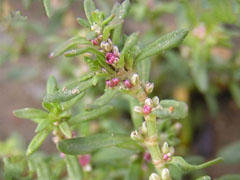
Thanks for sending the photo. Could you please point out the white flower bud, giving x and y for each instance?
(165, 174)
(144, 127)
(149, 102)
(165, 148)
(155, 101)
(154, 176)
(171, 150)
(138, 109)
(136, 136)
(116, 51)
(110, 42)
(178, 126)
(135, 79)
(106, 46)
(149, 87)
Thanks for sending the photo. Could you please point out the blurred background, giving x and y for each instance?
(204, 71)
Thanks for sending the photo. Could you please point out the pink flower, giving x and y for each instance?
(110, 58)
(115, 81)
(147, 109)
(94, 42)
(147, 156)
(62, 155)
(74, 134)
(84, 160)
(109, 83)
(127, 83)
(166, 157)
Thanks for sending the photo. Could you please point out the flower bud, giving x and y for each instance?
(165, 174)
(149, 102)
(147, 109)
(94, 42)
(135, 79)
(128, 84)
(154, 176)
(106, 46)
(165, 148)
(115, 81)
(109, 83)
(136, 136)
(116, 51)
(144, 127)
(155, 100)
(149, 87)
(147, 157)
(110, 42)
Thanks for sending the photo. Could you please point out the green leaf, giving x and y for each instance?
(67, 94)
(107, 20)
(103, 100)
(30, 113)
(122, 11)
(166, 42)
(92, 143)
(90, 115)
(204, 178)
(43, 170)
(179, 109)
(37, 141)
(68, 104)
(180, 163)
(113, 24)
(42, 125)
(134, 171)
(130, 42)
(83, 22)
(231, 153)
(52, 85)
(144, 68)
(62, 48)
(48, 8)
(73, 167)
(65, 129)
(111, 154)
(48, 106)
(230, 177)
(89, 8)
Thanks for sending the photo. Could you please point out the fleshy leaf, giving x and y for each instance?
(62, 48)
(52, 85)
(43, 170)
(31, 113)
(90, 115)
(184, 166)
(83, 145)
(164, 43)
(68, 104)
(65, 129)
(83, 22)
(37, 141)
(89, 8)
(172, 109)
(48, 8)
(73, 167)
(42, 125)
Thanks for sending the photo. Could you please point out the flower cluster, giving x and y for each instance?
(112, 83)
(167, 152)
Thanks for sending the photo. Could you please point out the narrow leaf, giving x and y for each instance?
(90, 115)
(30, 113)
(42, 125)
(89, 8)
(48, 8)
(83, 22)
(84, 145)
(37, 141)
(67, 45)
(43, 170)
(144, 68)
(65, 129)
(180, 163)
(68, 104)
(73, 167)
(172, 109)
(52, 85)
(166, 42)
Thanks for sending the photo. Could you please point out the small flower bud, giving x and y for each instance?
(84, 160)
(135, 79)
(106, 46)
(94, 42)
(110, 58)
(116, 51)
(165, 174)
(115, 81)
(171, 150)
(154, 176)
(138, 109)
(110, 42)
(147, 157)
(62, 155)
(128, 84)
(165, 148)
(171, 109)
(149, 87)
(109, 83)
(155, 100)
(136, 136)
(144, 127)
(149, 102)
(178, 126)
(147, 109)
(166, 157)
